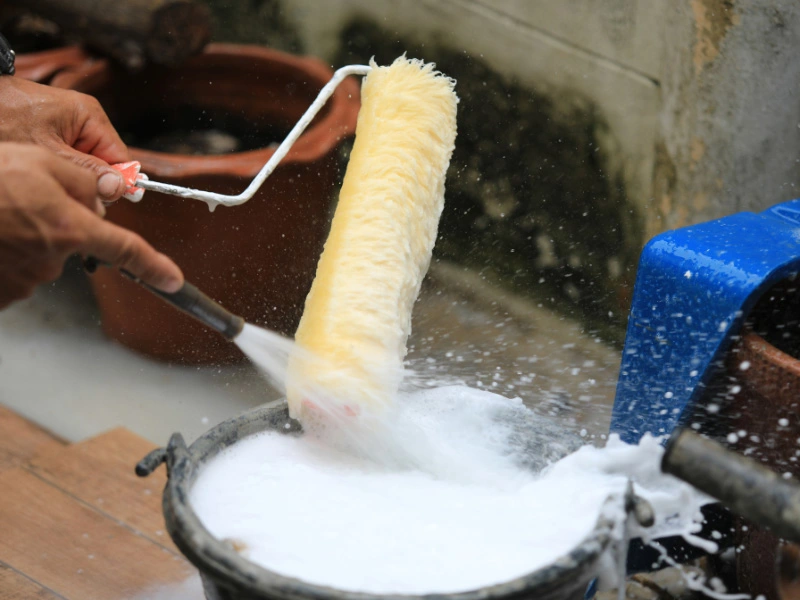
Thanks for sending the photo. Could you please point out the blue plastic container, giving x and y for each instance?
(694, 289)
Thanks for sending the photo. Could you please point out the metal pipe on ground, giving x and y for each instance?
(743, 485)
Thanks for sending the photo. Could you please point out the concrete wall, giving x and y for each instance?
(729, 125)
(595, 49)
(692, 106)
(707, 89)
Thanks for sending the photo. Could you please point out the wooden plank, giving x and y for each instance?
(73, 549)
(15, 586)
(100, 471)
(20, 440)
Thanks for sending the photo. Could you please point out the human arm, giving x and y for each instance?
(71, 124)
(48, 212)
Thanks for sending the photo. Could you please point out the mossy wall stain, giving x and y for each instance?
(529, 201)
(712, 19)
(254, 22)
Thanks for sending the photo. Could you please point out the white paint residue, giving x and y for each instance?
(190, 589)
(458, 512)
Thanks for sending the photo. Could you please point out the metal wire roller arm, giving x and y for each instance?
(214, 199)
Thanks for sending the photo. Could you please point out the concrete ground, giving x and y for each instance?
(58, 369)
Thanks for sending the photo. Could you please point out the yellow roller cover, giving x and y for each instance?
(357, 316)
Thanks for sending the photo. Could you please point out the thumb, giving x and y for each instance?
(127, 250)
(110, 184)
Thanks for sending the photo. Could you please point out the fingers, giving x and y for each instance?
(78, 181)
(30, 163)
(44, 218)
(69, 123)
(50, 226)
(97, 135)
(109, 184)
(127, 250)
(87, 138)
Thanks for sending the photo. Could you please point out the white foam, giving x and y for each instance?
(459, 509)
(446, 490)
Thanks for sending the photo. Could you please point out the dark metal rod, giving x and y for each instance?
(190, 300)
(742, 484)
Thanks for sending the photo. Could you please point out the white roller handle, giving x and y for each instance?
(141, 182)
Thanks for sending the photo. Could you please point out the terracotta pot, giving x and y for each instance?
(757, 398)
(41, 67)
(765, 407)
(258, 259)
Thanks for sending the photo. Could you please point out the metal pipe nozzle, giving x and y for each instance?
(190, 300)
(195, 303)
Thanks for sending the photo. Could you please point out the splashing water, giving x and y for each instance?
(403, 439)
(474, 515)
(268, 351)
(449, 489)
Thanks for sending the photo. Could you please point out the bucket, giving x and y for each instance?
(258, 259)
(228, 576)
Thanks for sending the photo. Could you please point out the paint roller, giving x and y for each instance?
(189, 298)
(395, 175)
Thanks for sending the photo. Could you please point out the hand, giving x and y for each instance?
(71, 124)
(47, 213)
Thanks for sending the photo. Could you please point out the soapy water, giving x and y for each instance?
(449, 489)
(399, 438)
(476, 515)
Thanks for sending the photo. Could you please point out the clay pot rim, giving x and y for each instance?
(317, 140)
(772, 373)
(44, 64)
(756, 345)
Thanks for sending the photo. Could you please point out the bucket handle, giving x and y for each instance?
(175, 455)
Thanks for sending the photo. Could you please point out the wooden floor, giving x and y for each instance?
(76, 522)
